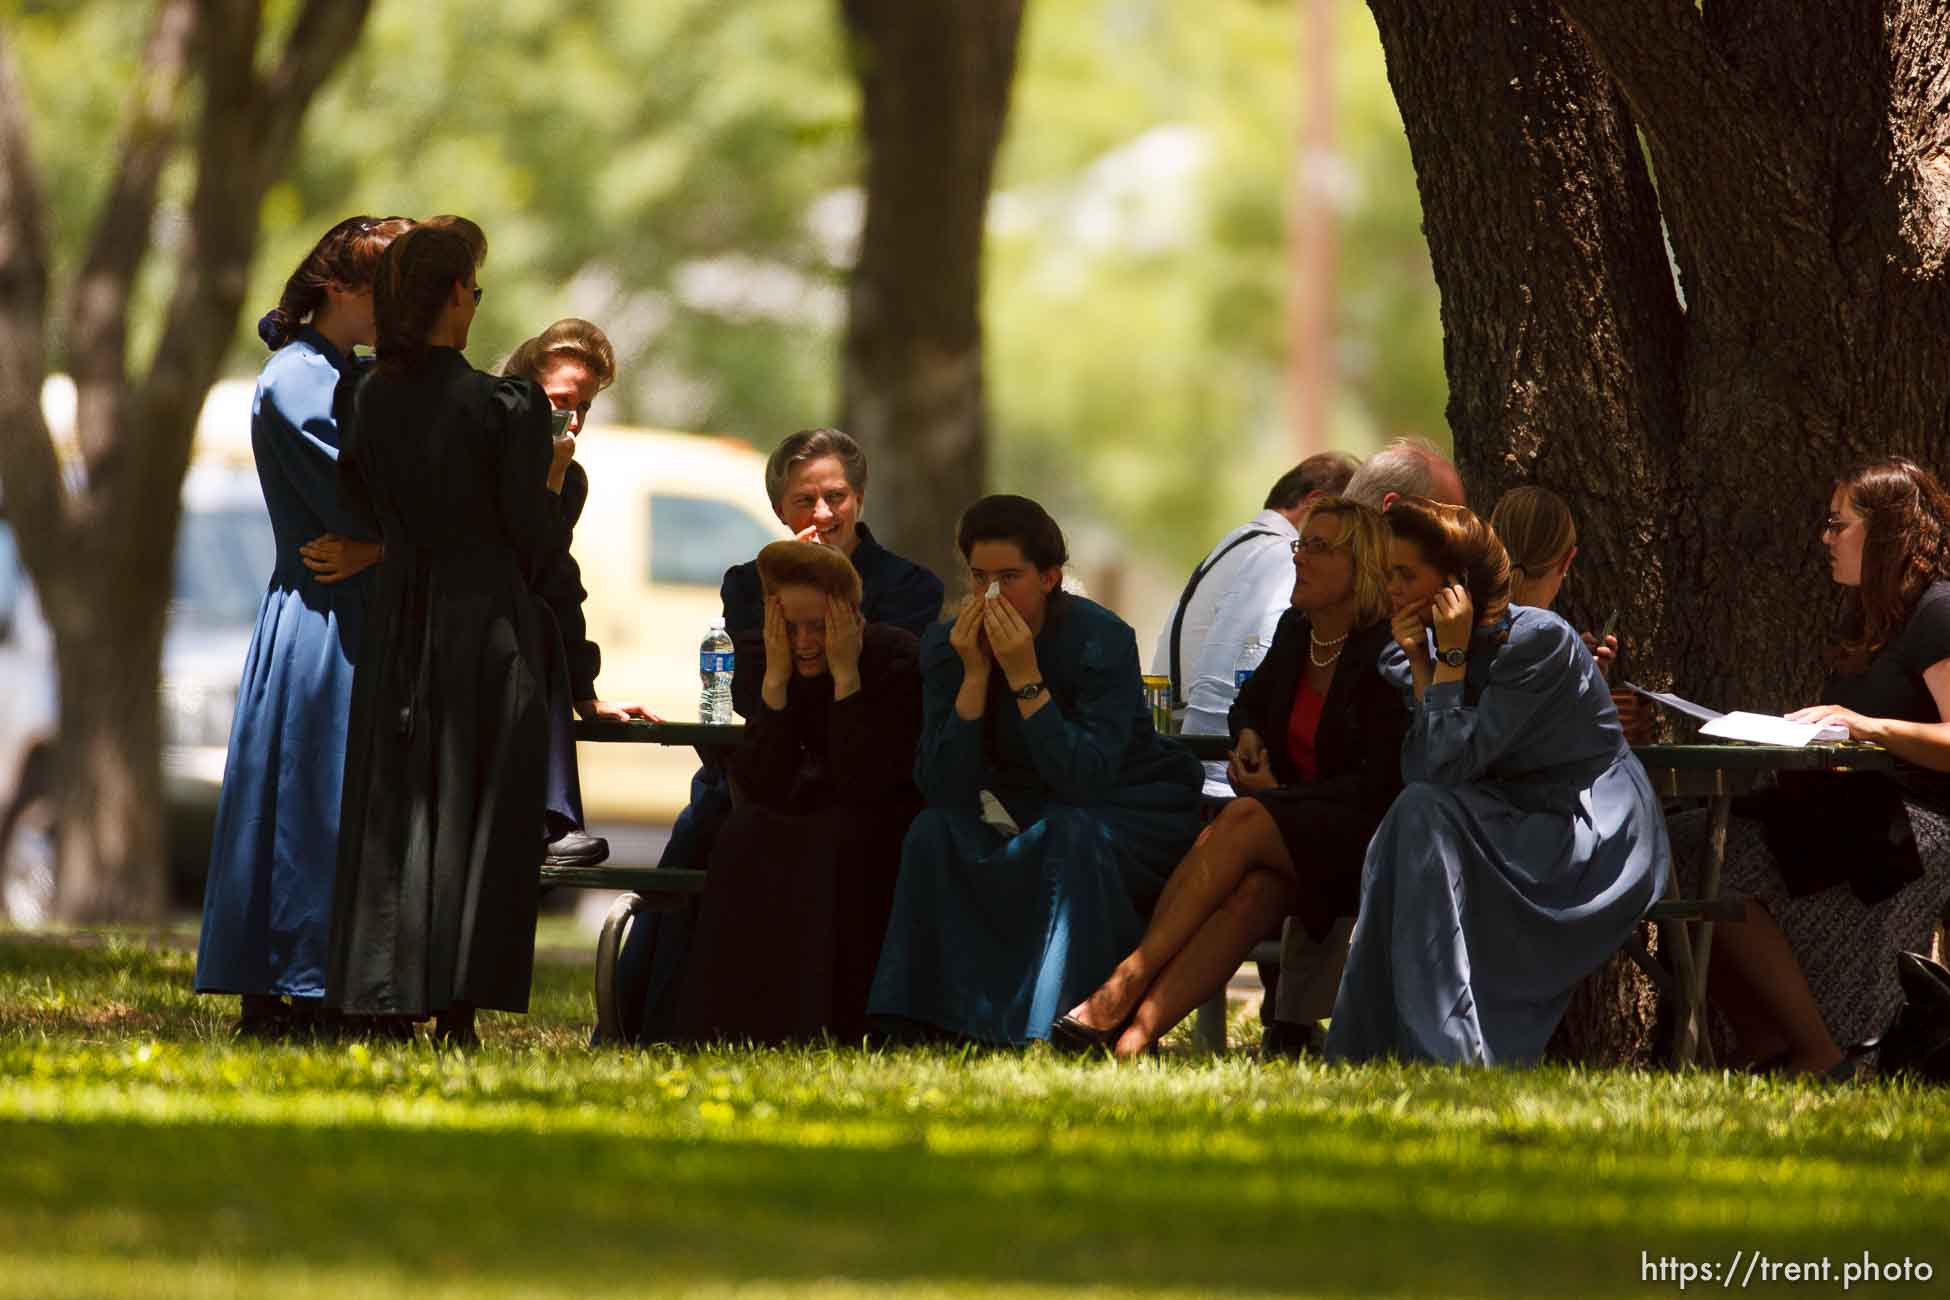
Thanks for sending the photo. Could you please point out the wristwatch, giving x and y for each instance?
(1030, 691)
(1454, 658)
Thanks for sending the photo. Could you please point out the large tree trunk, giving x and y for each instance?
(935, 77)
(100, 548)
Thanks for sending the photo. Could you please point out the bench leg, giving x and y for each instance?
(609, 946)
(1209, 1025)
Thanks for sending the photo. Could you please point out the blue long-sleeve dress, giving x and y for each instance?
(267, 906)
(991, 937)
(1525, 845)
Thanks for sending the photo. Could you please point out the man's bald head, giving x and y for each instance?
(1407, 467)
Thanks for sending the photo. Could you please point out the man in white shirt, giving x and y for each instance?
(1239, 591)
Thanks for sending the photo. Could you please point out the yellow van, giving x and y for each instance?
(668, 513)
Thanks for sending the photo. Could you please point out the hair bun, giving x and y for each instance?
(273, 329)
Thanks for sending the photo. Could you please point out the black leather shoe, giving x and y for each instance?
(577, 849)
(1283, 1040)
(1072, 1037)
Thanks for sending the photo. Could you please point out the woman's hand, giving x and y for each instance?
(1012, 641)
(778, 655)
(334, 558)
(1870, 730)
(1249, 768)
(1454, 615)
(561, 451)
(1605, 652)
(845, 630)
(614, 711)
(1411, 633)
(966, 637)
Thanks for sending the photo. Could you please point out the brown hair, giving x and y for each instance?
(1327, 474)
(808, 564)
(1455, 541)
(811, 444)
(415, 276)
(1366, 539)
(346, 255)
(570, 339)
(1904, 549)
(1536, 529)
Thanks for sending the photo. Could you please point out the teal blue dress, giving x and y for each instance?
(992, 937)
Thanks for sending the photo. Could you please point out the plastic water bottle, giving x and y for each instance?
(1249, 656)
(714, 664)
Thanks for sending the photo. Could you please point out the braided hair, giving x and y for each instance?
(345, 256)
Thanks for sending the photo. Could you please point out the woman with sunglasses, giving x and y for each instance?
(1316, 759)
(1844, 870)
(440, 847)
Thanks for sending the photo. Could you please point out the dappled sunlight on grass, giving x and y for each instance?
(249, 1168)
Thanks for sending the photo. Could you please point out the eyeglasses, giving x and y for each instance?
(1314, 546)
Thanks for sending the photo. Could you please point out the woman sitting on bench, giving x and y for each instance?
(802, 873)
(1526, 842)
(1317, 739)
(1054, 811)
(1844, 870)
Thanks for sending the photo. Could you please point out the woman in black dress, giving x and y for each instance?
(440, 843)
(1317, 739)
(823, 791)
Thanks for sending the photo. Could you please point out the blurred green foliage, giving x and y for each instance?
(684, 174)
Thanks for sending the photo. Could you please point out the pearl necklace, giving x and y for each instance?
(1315, 642)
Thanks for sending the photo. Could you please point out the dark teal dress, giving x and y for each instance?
(267, 907)
(992, 937)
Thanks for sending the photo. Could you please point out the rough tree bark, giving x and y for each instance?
(935, 77)
(1559, 322)
(1802, 155)
(100, 543)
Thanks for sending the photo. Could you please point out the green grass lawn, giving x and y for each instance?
(142, 1153)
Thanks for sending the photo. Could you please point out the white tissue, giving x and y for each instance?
(995, 589)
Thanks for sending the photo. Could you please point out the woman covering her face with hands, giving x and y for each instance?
(1526, 842)
(803, 870)
(1054, 811)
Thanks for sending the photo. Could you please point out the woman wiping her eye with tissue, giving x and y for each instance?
(1054, 811)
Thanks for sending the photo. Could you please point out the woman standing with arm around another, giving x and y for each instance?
(1054, 811)
(267, 908)
(441, 845)
(1526, 842)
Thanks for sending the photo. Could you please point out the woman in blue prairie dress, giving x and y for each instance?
(267, 906)
(1055, 812)
(1526, 842)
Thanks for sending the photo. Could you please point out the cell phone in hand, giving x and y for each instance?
(558, 423)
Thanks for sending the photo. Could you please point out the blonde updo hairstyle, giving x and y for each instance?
(808, 564)
(569, 339)
(1455, 541)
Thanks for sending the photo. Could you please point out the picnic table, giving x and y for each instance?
(1715, 773)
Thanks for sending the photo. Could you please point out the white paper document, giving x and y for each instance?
(1758, 728)
(1766, 729)
(1677, 703)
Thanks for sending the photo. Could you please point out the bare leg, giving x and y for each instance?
(1207, 962)
(1244, 838)
(1759, 985)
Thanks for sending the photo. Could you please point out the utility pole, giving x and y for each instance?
(1311, 215)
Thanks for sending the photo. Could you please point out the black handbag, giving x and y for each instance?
(1917, 1042)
